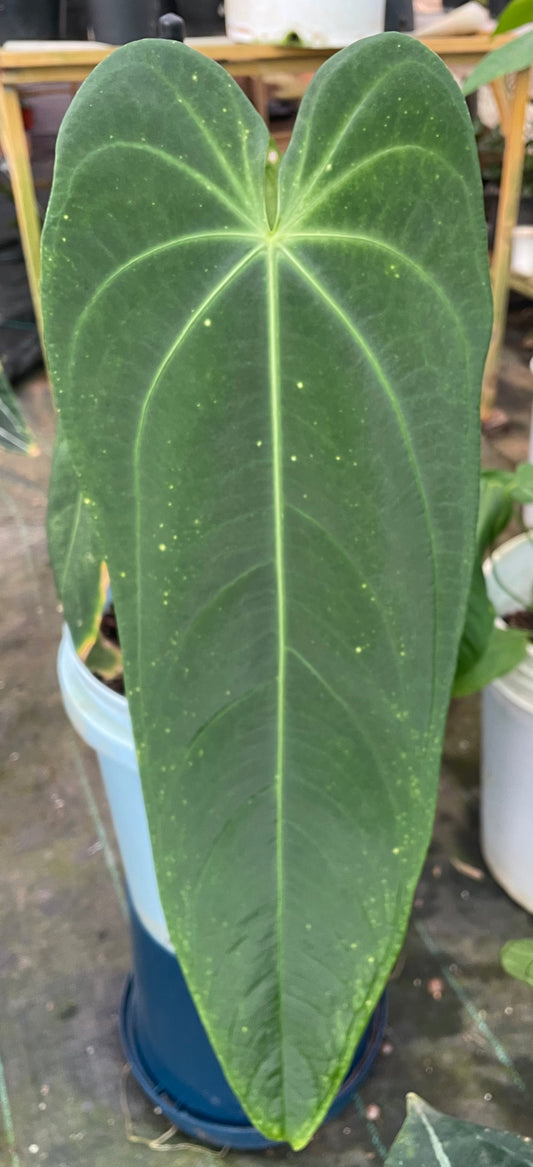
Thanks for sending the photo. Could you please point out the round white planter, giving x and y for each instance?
(310, 22)
(101, 717)
(507, 740)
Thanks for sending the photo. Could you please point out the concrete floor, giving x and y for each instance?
(459, 1028)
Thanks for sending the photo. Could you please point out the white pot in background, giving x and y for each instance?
(522, 250)
(507, 739)
(316, 23)
(102, 719)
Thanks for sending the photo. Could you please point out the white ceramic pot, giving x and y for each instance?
(507, 739)
(101, 717)
(316, 23)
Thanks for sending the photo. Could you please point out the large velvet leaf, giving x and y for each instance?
(266, 417)
(431, 1139)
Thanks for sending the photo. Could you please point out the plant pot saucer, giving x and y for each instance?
(221, 1134)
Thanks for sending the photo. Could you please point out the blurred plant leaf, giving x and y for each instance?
(509, 58)
(486, 652)
(517, 959)
(504, 650)
(514, 15)
(14, 433)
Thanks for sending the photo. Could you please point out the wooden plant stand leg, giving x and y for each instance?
(15, 149)
(508, 203)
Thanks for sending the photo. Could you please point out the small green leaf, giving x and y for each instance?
(517, 959)
(510, 58)
(431, 1139)
(80, 575)
(485, 652)
(505, 649)
(514, 15)
(105, 658)
(522, 489)
(14, 433)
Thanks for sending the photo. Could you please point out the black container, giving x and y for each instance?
(399, 16)
(495, 6)
(115, 22)
(29, 20)
(173, 1061)
(202, 17)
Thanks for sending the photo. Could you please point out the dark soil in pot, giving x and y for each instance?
(522, 620)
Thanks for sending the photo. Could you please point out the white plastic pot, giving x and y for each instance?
(507, 739)
(101, 717)
(522, 251)
(316, 23)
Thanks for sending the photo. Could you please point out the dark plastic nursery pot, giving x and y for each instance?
(173, 1061)
(162, 1035)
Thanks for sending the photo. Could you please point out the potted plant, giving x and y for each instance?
(496, 656)
(249, 373)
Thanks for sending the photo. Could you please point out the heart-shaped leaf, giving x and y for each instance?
(267, 407)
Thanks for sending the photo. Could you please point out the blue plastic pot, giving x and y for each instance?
(172, 1059)
(162, 1035)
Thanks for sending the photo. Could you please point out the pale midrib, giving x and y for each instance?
(163, 365)
(381, 244)
(220, 156)
(11, 439)
(149, 253)
(371, 159)
(171, 160)
(402, 427)
(436, 1145)
(349, 124)
(277, 476)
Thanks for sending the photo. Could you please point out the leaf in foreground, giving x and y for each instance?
(431, 1139)
(265, 413)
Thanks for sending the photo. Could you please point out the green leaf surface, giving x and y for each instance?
(266, 419)
(14, 433)
(504, 650)
(431, 1139)
(517, 959)
(80, 576)
(486, 652)
(509, 58)
(105, 659)
(523, 483)
(514, 15)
